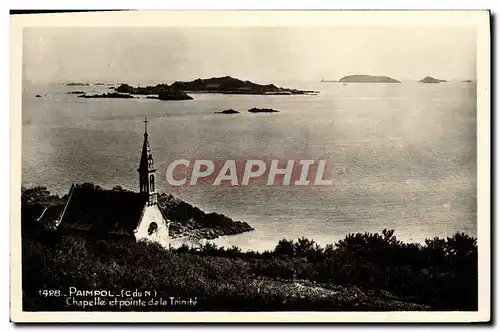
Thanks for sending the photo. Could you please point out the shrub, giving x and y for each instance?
(441, 273)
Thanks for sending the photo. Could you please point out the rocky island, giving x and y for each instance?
(262, 110)
(367, 79)
(224, 85)
(430, 79)
(229, 111)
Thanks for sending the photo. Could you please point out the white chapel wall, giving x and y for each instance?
(151, 215)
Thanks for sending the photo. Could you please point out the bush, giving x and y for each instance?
(442, 273)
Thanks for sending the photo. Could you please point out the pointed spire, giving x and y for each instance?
(146, 163)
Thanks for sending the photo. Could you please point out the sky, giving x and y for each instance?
(260, 54)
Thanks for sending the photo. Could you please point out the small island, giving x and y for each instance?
(38, 96)
(229, 111)
(430, 79)
(77, 84)
(262, 110)
(108, 95)
(367, 79)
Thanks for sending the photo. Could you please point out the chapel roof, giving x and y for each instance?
(103, 211)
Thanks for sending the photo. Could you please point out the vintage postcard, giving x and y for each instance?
(250, 166)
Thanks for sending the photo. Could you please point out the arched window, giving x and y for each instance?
(153, 227)
(151, 182)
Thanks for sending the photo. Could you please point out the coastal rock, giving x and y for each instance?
(429, 79)
(188, 220)
(76, 92)
(38, 96)
(229, 111)
(262, 110)
(107, 95)
(367, 79)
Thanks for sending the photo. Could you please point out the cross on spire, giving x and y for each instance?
(145, 125)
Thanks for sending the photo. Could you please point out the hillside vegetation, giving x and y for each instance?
(364, 271)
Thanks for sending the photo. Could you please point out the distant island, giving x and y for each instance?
(262, 110)
(107, 95)
(224, 85)
(77, 84)
(430, 79)
(367, 79)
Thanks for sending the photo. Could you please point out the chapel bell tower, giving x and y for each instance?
(147, 181)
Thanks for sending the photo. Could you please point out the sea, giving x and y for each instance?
(400, 156)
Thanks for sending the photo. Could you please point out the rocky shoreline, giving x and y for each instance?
(192, 223)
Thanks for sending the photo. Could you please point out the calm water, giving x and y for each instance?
(401, 156)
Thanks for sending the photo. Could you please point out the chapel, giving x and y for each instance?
(104, 214)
